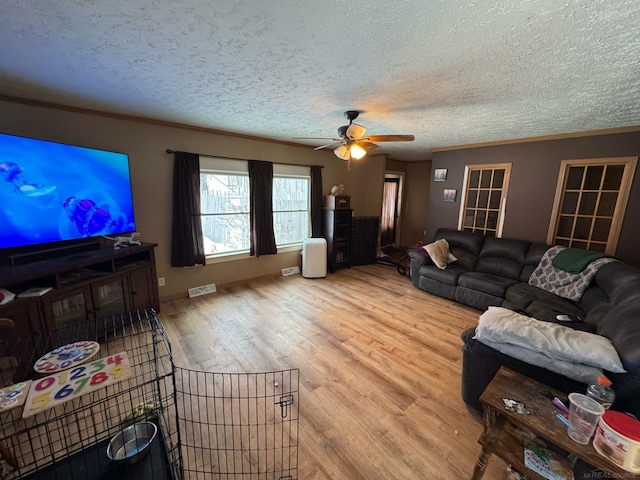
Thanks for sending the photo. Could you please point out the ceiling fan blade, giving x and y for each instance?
(332, 144)
(355, 131)
(390, 138)
(317, 138)
(368, 146)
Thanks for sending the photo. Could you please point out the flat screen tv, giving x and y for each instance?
(52, 193)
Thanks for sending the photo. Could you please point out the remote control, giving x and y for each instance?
(568, 317)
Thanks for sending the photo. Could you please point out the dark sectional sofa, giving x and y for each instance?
(493, 271)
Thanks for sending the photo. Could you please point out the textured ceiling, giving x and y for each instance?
(449, 72)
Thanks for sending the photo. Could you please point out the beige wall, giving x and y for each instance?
(152, 169)
(366, 178)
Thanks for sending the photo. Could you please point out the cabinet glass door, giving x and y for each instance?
(68, 311)
(109, 298)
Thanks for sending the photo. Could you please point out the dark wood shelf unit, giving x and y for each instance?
(364, 240)
(85, 286)
(336, 230)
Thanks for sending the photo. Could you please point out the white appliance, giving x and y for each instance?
(314, 258)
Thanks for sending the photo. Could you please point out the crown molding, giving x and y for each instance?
(543, 138)
(138, 119)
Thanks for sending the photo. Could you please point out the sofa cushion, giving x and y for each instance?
(448, 276)
(532, 259)
(539, 303)
(465, 246)
(435, 287)
(485, 282)
(476, 299)
(502, 257)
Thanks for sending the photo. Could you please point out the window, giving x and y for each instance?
(224, 200)
(590, 201)
(291, 207)
(484, 198)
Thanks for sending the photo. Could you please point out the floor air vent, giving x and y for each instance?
(290, 271)
(202, 290)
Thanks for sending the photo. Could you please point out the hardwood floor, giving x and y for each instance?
(380, 365)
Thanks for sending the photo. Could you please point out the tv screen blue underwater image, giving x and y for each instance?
(51, 192)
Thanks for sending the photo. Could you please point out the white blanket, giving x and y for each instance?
(572, 353)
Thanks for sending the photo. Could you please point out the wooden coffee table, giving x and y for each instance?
(503, 429)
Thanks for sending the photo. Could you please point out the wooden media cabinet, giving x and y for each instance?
(84, 286)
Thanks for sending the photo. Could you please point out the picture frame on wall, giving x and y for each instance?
(449, 195)
(439, 174)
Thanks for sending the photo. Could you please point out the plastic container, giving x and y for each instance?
(584, 413)
(601, 392)
(618, 439)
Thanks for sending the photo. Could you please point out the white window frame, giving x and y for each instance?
(629, 163)
(503, 199)
(240, 167)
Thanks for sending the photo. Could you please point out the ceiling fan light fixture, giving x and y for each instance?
(342, 152)
(355, 131)
(357, 151)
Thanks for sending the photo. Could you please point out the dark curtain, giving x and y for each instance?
(263, 240)
(316, 201)
(187, 244)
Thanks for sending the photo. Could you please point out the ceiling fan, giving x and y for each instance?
(353, 143)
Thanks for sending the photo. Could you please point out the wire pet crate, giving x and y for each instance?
(210, 425)
(240, 426)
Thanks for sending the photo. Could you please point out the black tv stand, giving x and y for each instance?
(49, 253)
(84, 285)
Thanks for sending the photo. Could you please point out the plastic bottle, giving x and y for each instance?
(601, 392)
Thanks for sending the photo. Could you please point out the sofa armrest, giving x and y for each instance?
(480, 363)
(418, 260)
